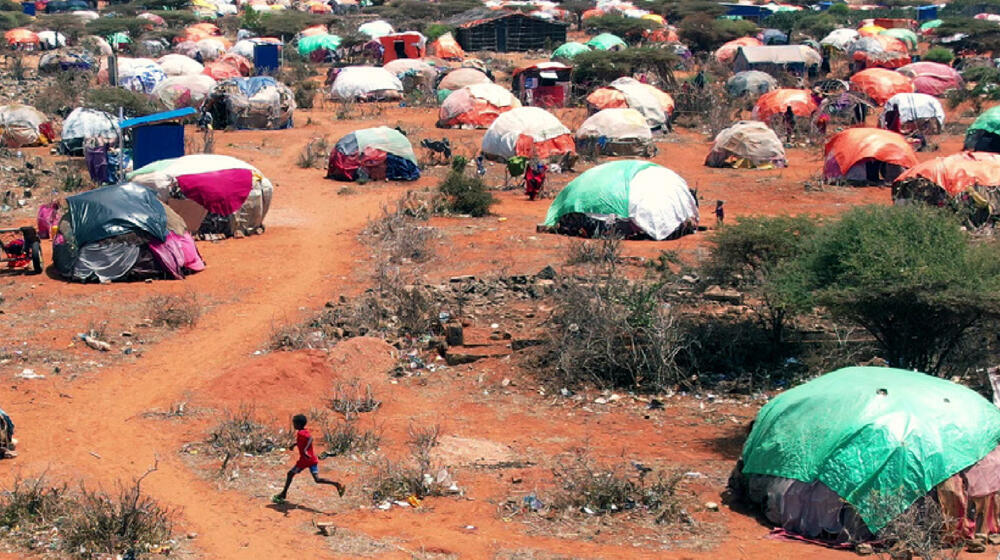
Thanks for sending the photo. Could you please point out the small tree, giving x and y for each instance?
(630, 29)
(939, 54)
(466, 194)
(906, 274)
(703, 33)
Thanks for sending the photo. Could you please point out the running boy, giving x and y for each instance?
(307, 460)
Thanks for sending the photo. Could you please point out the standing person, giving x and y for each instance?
(822, 122)
(534, 180)
(789, 123)
(892, 119)
(720, 213)
(307, 460)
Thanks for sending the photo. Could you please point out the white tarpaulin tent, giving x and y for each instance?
(913, 107)
(501, 139)
(354, 82)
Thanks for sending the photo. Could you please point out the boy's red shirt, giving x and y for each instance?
(307, 457)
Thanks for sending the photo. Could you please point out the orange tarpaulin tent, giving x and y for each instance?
(21, 37)
(727, 52)
(774, 103)
(446, 47)
(958, 172)
(855, 145)
(880, 84)
(409, 44)
(314, 30)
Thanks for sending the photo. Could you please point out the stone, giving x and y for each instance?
(864, 549)
(975, 547)
(326, 528)
(526, 340)
(459, 356)
(454, 334)
(723, 295)
(711, 506)
(463, 278)
(547, 273)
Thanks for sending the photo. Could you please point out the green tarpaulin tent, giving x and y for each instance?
(606, 42)
(567, 51)
(905, 35)
(315, 42)
(879, 437)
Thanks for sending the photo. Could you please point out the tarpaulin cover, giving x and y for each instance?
(461, 77)
(852, 145)
(104, 260)
(527, 131)
(359, 81)
(958, 172)
(880, 84)
(387, 139)
(753, 82)
(606, 41)
(752, 140)
(315, 42)
(989, 121)
(375, 29)
(184, 91)
(727, 51)
(914, 106)
(932, 78)
(446, 47)
(617, 124)
(839, 39)
(179, 65)
(21, 36)
(878, 437)
(115, 210)
(774, 102)
(21, 125)
(567, 51)
(654, 198)
(475, 106)
(908, 37)
(177, 254)
(654, 104)
(220, 192)
(876, 44)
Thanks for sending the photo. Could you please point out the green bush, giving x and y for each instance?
(305, 94)
(434, 30)
(10, 6)
(109, 99)
(908, 275)
(598, 68)
(466, 194)
(10, 20)
(630, 29)
(703, 33)
(103, 27)
(939, 54)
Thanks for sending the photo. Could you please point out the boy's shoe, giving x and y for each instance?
(277, 499)
(340, 489)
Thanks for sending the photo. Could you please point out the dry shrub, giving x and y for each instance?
(923, 530)
(346, 437)
(397, 234)
(174, 312)
(31, 502)
(398, 480)
(241, 431)
(350, 398)
(605, 250)
(315, 154)
(586, 487)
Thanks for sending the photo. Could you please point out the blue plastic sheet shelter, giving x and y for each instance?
(157, 136)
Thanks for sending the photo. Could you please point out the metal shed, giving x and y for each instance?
(488, 30)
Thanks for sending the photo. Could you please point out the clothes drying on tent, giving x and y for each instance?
(213, 194)
(615, 132)
(632, 198)
(122, 232)
(867, 156)
(747, 144)
(475, 106)
(808, 461)
(251, 103)
(373, 154)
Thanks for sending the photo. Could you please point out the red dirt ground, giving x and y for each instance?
(93, 428)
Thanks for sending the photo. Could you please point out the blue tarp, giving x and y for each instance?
(156, 142)
(156, 118)
(265, 59)
(250, 86)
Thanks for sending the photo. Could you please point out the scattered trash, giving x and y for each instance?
(413, 500)
(29, 374)
(655, 404)
(711, 506)
(385, 506)
(693, 474)
(533, 503)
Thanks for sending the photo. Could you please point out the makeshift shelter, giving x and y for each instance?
(180, 65)
(475, 106)
(374, 154)
(84, 124)
(751, 83)
(251, 103)
(184, 91)
(633, 198)
(727, 51)
(967, 182)
(212, 48)
(22, 39)
(408, 44)
(607, 42)
(366, 83)
(932, 78)
(745, 145)
(503, 31)
(880, 51)
(546, 84)
(839, 39)
(774, 103)
(213, 194)
(529, 132)
(459, 78)
(136, 74)
(414, 74)
(655, 105)
(62, 61)
(51, 39)
(908, 37)
(773, 37)
(319, 46)
(375, 29)
(615, 132)
(983, 134)
(122, 232)
(880, 84)
(23, 125)
(567, 51)
(446, 47)
(786, 58)
(841, 456)
(917, 111)
(845, 107)
(867, 156)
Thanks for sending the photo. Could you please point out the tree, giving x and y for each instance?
(701, 32)
(630, 29)
(577, 7)
(906, 274)
(939, 54)
(979, 35)
(104, 27)
(597, 68)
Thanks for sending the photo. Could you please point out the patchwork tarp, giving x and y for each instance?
(654, 104)
(880, 84)
(653, 198)
(83, 124)
(23, 125)
(136, 74)
(932, 78)
(879, 437)
(747, 144)
(528, 132)
(750, 82)
(366, 83)
(475, 106)
(184, 91)
(619, 131)
(62, 61)
(727, 51)
(251, 103)
(413, 73)
(381, 152)
(839, 39)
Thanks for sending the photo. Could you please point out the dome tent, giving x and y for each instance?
(366, 83)
(136, 74)
(83, 124)
(839, 39)
(607, 42)
(867, 156)
(459, 78)
(841, 456)
(654, 104)
(635, 198)
(880, 84)
(983, 134)
(63, 60)
(180, 65)
(213, 194)
(374, 153)
(122, 232)
(251, 103)
(774, 103)
(415, 74)
(615, 132)
(917, 111)
(528, 132)
(567, 51)
(475, 106)
(747, 144)
(966, 181)
(376, 29)
(750, 82)
(23, 125)
(184, 91)
(932, 78)
(727, 51)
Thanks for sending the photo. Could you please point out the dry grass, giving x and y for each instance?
(174, 312)
(350, 399)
